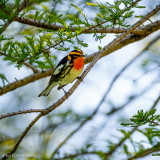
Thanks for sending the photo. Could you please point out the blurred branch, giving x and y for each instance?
(146, 152)
(25, 63)
(126, 41)
(130, 100)
(79, 154)
(20, 112)
(155, 103)
(116, 146)
(139, 31)
(15, 14)
(96, 58)
(151, 70)
(123, 69)
(133, 130)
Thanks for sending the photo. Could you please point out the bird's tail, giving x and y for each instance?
(46, 91)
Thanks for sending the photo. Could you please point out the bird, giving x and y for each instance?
(67, 70)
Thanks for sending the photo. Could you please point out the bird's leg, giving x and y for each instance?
(66, 94)
(80, 78)
(64, 90)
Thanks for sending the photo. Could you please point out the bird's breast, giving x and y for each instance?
(78, 63)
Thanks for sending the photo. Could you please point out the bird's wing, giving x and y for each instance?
(58, 70)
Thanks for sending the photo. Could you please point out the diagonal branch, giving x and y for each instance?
(77, 83)
(146, 152)
(126, 41)
(20, 112)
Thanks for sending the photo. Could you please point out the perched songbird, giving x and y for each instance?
(68, 69)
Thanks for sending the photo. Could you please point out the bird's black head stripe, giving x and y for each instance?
(79, 51)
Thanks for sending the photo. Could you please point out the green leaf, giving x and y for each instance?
(91, 4)
(3, 78)
(78, 9)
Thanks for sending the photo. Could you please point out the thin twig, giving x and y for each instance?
(25, 63)
(130, 100)
(20, 112)
(21, 138)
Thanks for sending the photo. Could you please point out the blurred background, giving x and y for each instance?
(135, 88)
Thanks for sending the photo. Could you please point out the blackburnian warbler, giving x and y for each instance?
(68, 69)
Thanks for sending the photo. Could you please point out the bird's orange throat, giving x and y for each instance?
(78, 63)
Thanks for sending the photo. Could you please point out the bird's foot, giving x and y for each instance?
(80, 78)
(66, 94)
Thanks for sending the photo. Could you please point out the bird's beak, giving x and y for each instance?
(82, 55)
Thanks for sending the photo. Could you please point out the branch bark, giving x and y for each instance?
(138, 31)
(69, 93)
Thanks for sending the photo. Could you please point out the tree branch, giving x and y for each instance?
(126, 41)
(25, 63)
(130, 100)
(139, 31)
(31, 67)
(24, 81)
(79, 154)
(20, 112)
